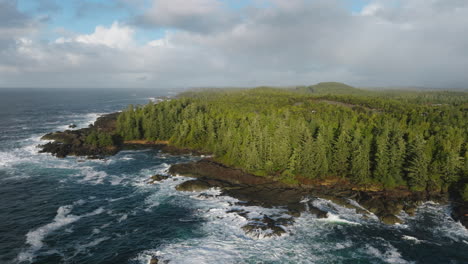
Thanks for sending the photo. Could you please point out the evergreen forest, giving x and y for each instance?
(384, 139)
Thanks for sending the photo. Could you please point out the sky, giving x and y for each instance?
(196, 43)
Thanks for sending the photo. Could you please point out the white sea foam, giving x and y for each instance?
(123, 218)
(92, 176)
(390, 255)
(63, 218)
(8, 158)
(84, 247)
(333, 218)
(23, 154)
(445, 226)
(118, 199)
(225, 241)
(340, 214)
(28, 150)
(115, 180)
(411, 238)
(80, 120)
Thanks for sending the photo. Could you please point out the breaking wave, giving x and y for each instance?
(63, 218)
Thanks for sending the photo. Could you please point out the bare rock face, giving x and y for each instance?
(157, 178)
(193, 186)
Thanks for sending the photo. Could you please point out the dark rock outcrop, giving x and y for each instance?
(266, 192)
(157, 178)
(390, 219)
(460, 212)
(266, 227)
(193, 186)
(72, 142)
(207, 168)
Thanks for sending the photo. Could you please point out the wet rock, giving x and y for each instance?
(374, 205)
(240, 212)
(193, 186)
(294, 213)
(207, 168)
(460, 212)
(410, 209)
(155, 260)
(253, 190)
(282, 221)
(319, 213)
(206, 195)
(157, 178)
(394, 207)
(72, 142)
(390, 219)
(266, 227)
(72, 126)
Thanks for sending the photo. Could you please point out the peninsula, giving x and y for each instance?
(387, 150)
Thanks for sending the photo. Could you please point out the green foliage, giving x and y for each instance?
(418, 164)
(98, 139)
(464, 192)
(390, 139)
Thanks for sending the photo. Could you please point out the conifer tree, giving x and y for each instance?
(360, 163)
(418, 166)
(341, 154)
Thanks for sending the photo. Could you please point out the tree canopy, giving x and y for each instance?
(390, 139)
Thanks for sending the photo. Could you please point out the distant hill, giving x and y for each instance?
(335, 88)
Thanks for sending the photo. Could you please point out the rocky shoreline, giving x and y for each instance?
(255, 190)
(73, 142)
(266, 192)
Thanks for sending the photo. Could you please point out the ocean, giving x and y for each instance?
(75, 210)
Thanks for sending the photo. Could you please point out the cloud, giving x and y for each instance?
(371, 9)
(15, 28)
(202, 16)
(9, 16)
(414, 42)
(91, 8)
(116, 36)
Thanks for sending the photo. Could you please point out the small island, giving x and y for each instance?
(389, 150)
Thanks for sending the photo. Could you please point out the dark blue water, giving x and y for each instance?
(74, 210)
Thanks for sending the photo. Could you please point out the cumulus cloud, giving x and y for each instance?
(116, 36)
(414, 42)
